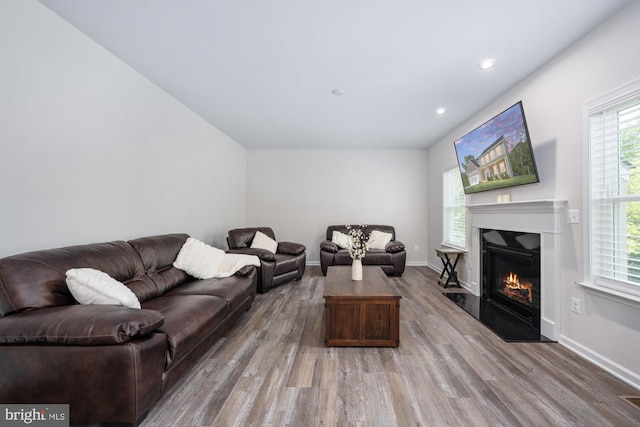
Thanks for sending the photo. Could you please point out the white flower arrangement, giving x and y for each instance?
(359, 241)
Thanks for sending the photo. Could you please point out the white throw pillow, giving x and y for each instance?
(90, 286)
(199, 259)
(262, 241)
(379, 239)
(342, 240)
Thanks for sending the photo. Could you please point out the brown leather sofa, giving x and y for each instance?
(392, 259)
(285, 265)
(109, 363)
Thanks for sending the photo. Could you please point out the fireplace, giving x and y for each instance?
(511, 272)
(543, 218)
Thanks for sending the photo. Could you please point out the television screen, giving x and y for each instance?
(497, 154)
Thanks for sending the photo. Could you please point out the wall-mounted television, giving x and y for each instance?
(497, 154)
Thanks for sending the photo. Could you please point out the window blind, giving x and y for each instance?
(454, 210)
(614, 139)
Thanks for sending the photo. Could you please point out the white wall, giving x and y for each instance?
(92, 151)
(607, 332)
(300, 192)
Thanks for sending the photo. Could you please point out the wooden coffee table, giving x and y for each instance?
(363, 313)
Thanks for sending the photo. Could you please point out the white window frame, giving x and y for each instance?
(622, 290)
(453, 203)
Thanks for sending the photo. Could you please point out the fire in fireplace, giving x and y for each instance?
(513, 288)
(511, 272)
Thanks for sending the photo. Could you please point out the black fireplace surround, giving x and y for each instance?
(509, 303)
(511, 272)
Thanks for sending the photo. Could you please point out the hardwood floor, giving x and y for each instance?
(274, 370)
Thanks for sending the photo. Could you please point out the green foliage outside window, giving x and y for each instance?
(630, 163)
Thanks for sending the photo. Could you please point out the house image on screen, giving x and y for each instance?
(492, 163)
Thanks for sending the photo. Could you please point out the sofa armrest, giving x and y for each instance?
(291, 248)
(79, 325)
(394, 246)
(263, 254)
(245, 271)
(329, 246)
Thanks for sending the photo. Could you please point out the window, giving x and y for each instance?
(614, 205)
(454, 211)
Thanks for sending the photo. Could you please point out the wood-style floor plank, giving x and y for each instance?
(273, 369)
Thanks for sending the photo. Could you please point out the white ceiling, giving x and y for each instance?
(263, 71)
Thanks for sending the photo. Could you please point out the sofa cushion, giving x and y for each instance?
(342, 257)
(199, 259)
(234, 290)
(377, 257)
(378, 239)
(91, 286)
(345, 230)
(373, 257)
(37, 279)
(79, 325)
(158, 254)
(188, 319)
(262, 241)
(242, 237)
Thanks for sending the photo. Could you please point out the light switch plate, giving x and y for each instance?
(573, 216)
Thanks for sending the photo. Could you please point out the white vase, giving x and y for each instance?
(356, 269)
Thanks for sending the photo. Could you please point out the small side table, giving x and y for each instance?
(447, 255)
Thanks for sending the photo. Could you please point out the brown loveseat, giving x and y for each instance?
(109, 363)
(287, 263)
(391, 259)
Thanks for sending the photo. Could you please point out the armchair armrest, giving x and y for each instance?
(263, 254)
(394, 246)
(79, 325)
(328, 246)
(291, 248)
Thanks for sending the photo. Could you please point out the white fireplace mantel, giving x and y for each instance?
(541, 215)
(545, 217)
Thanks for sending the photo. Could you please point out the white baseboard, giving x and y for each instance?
(417, 264)
(629, 377)
(434, 268)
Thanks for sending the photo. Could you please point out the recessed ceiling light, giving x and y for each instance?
(337, 92)
(486, 64)
(440, 111)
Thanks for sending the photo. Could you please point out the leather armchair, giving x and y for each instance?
(392, 259)
(286, 264)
